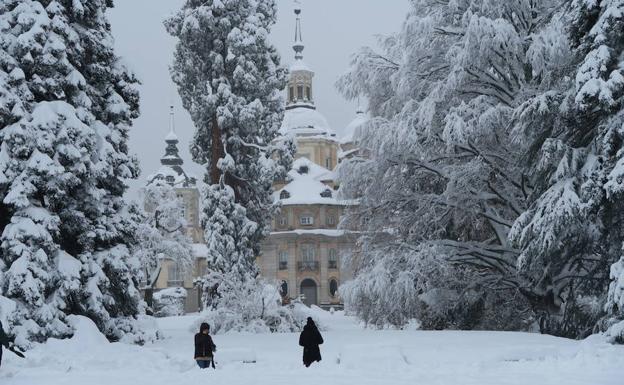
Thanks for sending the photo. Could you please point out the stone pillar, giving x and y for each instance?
(293, 288)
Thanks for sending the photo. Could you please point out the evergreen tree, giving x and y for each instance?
(230, 80)
(570, 234)
(67, 105)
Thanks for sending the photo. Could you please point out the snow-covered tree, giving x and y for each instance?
(67, 105)
(230, 80)
(496, 141)
(571, 235)
(162, 231)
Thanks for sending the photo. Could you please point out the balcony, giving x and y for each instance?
(283, 265)
(308, 265)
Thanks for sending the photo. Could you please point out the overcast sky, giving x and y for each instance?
(332, 31)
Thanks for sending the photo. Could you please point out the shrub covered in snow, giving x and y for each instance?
(253, 305)
(614, 322)
(169, 302)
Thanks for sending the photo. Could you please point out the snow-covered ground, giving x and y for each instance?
(351, 355)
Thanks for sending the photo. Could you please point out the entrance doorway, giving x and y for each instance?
(309, 291)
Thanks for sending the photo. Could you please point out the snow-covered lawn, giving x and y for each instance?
(351, 355)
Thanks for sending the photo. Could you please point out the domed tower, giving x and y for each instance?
(300, 82)
(314, 137)
(349, 145)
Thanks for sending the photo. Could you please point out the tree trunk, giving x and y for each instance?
(217, 152)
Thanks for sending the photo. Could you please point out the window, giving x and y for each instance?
(308, 93)
(283, 221)
(283, 260)
(307, 253)
(331, 220)
(328, 163)
(291, 94)
(333, 287)
(183, 210)
(333, 259)
(170, 179)
(284, 194)
(326, 194)
(306, 220)
(299, 92)
(175, 274)
(308, 261)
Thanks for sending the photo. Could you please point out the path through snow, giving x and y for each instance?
(351, 355)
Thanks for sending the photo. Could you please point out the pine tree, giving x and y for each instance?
(67, 105)
(570, 234)
(230, 80)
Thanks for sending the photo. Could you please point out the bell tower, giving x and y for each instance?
(300, 90)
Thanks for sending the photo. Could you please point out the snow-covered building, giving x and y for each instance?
(172, 274)
(172, 172)
(305, 247)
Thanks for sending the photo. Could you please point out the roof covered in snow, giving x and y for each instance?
(306, 186)
(305, 121)
(317, 172)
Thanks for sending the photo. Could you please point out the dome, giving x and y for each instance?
(303, 121)
(352, 127)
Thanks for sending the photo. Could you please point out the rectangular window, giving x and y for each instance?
(307, 253)
(291, 94)
(333, 259)
(175, 274)
(308, 93)
(300, 92)
(283, 221)
(331, 220)
(307, 220)
(283, 260)
(328, 163)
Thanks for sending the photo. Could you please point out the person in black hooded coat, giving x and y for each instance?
(310, 339)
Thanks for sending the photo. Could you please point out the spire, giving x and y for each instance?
(172, 156)
(298, 46)
(172, 135)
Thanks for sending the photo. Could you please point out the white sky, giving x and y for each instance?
(332, 31)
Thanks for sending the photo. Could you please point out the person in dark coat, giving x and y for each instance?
(4, 341)
(204, 347)
(310, 339)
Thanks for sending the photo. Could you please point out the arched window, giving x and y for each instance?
(300, 92)
(333, 287)
(291, 94)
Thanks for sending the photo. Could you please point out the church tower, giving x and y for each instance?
(315, 139)
(300, 82)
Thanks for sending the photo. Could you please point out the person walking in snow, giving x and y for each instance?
(204, 347)
(6, 342)
(310, 339)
